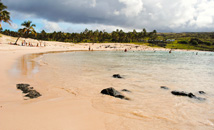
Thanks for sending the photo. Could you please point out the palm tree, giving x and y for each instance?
(28, 28)
(4, 15)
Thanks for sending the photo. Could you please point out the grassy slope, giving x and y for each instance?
(206, 37)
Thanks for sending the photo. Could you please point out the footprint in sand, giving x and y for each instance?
(69, 91)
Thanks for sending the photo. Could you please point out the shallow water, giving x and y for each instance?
(85, 74)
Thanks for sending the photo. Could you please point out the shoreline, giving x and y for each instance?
(14, 53)
(47, 112)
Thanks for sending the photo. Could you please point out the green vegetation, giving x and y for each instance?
(4, 14)
(90, 36)
(198, 41)
(28, 29)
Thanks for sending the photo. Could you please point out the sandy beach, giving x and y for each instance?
(75, 103)
(48, 112)
(106, 65)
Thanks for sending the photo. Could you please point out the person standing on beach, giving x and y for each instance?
(24, 43)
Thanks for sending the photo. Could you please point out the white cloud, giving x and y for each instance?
(205, 16)
(108, 28)
(159, 5)
(133, 7)
(51, 26)
(14, 26)
(162, 15)
(93, 4)
(116, 12)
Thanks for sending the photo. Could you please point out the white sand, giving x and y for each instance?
(67, 113)
(45, 113)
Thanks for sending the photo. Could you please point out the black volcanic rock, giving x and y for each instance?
(201, 92)
(164, 87)
(113, 92)
(117, 76)
(181, 93)
(24, 87)
(33, 94)
(29, 91)
(190, 95)
(126, 90)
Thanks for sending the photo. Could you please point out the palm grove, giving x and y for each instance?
(200, 41)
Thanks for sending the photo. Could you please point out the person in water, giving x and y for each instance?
(125, 50)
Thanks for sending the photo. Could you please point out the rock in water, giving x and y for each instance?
(190, 95)
(23, 87)
(112, 92)
(178, 93)
(126, 90)
(164, 87)
(201, 92)
(33, 94)
(117, 76)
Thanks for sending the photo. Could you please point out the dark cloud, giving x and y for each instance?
(162, 15)
(75, 11)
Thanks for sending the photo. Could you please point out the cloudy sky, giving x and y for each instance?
(76, 15)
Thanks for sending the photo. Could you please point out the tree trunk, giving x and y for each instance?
(17, 41)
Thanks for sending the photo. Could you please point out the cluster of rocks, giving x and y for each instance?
(29, 91)
(115, 93)
(186, 94)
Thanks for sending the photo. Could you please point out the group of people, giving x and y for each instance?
(24, 43)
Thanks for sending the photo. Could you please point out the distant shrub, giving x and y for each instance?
(183, 42)
(194, 42)
(162, 44)
(208, 43)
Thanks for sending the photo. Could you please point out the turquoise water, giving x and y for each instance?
(87, 73)
(184, 70)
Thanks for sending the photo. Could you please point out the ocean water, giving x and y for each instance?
(180, 70)
(85, 74)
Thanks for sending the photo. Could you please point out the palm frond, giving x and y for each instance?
(2, 6)
(4, 15)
